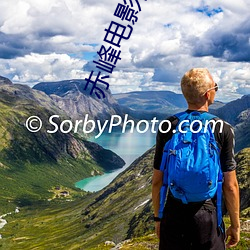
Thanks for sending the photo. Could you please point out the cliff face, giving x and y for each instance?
(71, 97)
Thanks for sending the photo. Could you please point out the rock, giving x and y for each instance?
(4, 80)
(109, 243)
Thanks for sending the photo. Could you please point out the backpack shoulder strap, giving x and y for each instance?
(208, 116)
(182, 115)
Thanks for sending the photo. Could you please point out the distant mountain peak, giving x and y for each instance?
(4, 80)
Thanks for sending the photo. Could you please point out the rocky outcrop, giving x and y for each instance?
(4, 80)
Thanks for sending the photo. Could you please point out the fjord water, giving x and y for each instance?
(129, 146)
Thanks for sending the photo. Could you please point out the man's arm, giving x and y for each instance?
(157, 179)
(232, 200)
(156, 187)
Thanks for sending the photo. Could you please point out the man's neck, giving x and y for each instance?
(198, 107)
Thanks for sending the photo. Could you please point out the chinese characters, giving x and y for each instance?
(109, 54)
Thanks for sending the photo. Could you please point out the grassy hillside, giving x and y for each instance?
(243, 175)
(32, 163)
(86, 222)
(121, 211)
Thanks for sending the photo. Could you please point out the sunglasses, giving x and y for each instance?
(216, 87)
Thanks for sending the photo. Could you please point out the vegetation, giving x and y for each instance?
(57, 225)
(32, 163)
(36, 170)
(243, 175)
(118, 213)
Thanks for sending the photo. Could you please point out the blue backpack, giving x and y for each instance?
(191, 162)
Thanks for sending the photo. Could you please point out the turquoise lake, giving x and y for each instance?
(129, 146)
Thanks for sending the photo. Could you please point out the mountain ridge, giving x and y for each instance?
(4, 80)
(58, 159)
(70, 96)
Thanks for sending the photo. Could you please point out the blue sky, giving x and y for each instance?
(54, 40)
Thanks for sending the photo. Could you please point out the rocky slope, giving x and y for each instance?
(243, 175)
(242, 130)
(232, 110)
(70, 96)
(125, 206)
(4, 80)
(237, 114)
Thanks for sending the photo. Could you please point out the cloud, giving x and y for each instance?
(34, 68)
(49, 26)
(231, 45)
(169, 38)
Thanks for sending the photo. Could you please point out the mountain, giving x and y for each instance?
(38, 166)
(232, 110)
(243, 175)
(242, 130)
(70, 96)
(4, 80)
(32, 163)
(149, 104)
(237, 114)
(124, 208)
(216, 105)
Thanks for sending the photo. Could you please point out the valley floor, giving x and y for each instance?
(57, 225)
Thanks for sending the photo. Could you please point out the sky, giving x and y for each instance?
(54, 40)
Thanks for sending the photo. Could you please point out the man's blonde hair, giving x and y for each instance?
(195, 83)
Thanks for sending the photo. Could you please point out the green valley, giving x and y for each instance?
(32, 163)
(120, 212)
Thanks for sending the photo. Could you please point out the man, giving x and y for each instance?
(194, 225)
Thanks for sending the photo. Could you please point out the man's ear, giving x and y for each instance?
(207, 95)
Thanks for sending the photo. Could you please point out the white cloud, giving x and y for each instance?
(47, 40)
(35, 68)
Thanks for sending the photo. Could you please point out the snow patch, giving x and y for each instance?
(142, 204)
(2, 223)
(143, 186)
